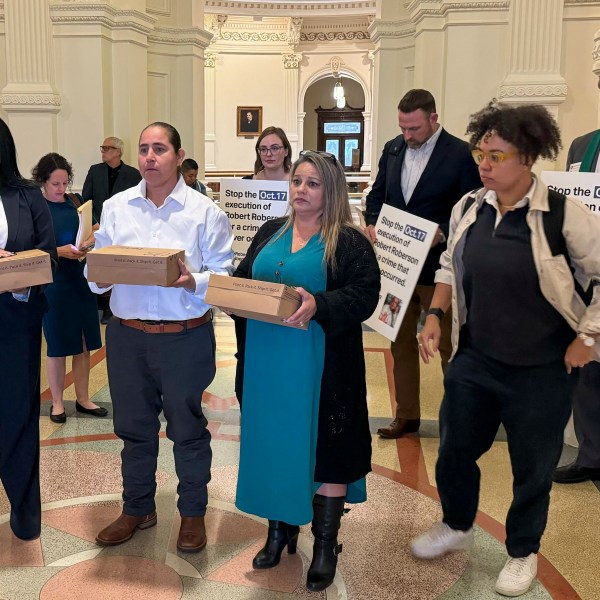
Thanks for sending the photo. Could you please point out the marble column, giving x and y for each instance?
(534, 45)
(29, 98)
(291, 64)
(393, 58)
(184, 45)
(210, 112)
(596, 67)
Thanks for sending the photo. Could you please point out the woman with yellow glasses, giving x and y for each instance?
(518, 259)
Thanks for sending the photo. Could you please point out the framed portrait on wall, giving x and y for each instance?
(249, 120)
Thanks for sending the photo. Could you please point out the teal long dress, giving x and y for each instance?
(282, 386)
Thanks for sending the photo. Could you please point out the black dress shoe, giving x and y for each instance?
(573, 473)
(95, 412)
(60, 418)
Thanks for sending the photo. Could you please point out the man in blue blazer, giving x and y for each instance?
(583, 156)
(424, 171)
(110, 176)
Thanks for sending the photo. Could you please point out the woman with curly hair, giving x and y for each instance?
(521, 330)
(71, 325)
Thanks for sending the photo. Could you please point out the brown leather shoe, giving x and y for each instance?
(192, 534)
(123, 528)
(399, 427)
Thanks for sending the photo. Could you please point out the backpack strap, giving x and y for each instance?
(553, 224)
(467, 205)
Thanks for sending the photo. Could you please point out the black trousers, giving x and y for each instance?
(149, 373)
(586, 416)
(533, 404)
(20, 348)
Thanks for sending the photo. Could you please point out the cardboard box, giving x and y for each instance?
(25, 269)
(260, 300)
(134, 266)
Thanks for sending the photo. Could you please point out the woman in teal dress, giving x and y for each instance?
(305, 442)
(71, 326)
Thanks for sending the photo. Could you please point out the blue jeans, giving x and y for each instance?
(533, 404)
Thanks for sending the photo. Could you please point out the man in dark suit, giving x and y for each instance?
(110, 176)
(248, 122)
(424, 171)
(583, 156)
(104, 180)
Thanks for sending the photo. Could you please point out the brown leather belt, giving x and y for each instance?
(167, 326)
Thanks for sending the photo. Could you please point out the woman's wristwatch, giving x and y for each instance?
(587, 340)
(438, 312)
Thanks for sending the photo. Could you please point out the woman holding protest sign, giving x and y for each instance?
(273, 163)
(305, 441)
(519, 257)
(273, 156)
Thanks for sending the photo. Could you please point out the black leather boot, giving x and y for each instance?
(280, 535)
(327, 513)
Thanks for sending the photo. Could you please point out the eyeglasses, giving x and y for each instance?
(271, 149)
(107, 148)
(494, 158)
(326, 155)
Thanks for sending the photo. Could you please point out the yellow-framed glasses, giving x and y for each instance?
(494, 158)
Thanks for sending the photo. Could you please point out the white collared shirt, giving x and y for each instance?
(491, 198)
(414, 163)
(3, 226)
(188, 221)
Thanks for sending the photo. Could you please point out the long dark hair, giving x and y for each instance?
(9, 172)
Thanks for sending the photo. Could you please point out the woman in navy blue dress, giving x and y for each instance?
(71, 325)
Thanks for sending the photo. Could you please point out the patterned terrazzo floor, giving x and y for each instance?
(81, 486)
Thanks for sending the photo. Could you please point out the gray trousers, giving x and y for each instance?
(149, 373)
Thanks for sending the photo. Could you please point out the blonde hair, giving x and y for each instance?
(336, 207)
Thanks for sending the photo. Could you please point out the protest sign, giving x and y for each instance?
(248, 204)
(584, 187)
(403, 242)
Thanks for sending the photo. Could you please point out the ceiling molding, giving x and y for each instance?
(298, 8)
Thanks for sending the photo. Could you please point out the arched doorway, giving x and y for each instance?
(334, 131)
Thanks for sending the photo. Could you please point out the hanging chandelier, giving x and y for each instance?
(339, 94)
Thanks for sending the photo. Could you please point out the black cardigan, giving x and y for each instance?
(351, 296)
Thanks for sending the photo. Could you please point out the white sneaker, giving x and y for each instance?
(517, 575)
(440, 540)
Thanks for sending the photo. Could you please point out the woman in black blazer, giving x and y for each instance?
(25, 224)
